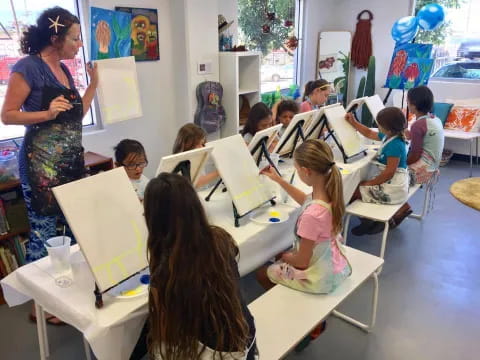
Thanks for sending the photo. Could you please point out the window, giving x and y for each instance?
(13, 21)
(272, 27)
(457, 42)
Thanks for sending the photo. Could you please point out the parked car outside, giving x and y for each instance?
(469, 49)
(459, 70)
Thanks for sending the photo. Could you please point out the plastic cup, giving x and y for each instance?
(58, 249)
(275, 158)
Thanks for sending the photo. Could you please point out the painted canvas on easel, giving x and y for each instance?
(410, 67)
(110, 34)
(144, 34)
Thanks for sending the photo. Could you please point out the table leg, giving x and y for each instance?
(41, 332)
(476, 151)
(471, 155)
(88, 354)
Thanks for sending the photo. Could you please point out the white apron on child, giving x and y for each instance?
(394, 191)
(319, 277)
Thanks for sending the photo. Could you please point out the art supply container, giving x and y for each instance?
(8, 166)
(58, 249)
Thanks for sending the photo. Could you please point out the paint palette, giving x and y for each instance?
(132, 288)
(271, 215)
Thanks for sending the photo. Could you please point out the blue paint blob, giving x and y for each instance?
(145, 279)
(274, 220)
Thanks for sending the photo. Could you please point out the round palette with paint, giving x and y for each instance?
(132, 288)
(271, 215)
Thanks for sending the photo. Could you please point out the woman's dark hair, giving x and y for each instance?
(422, 98)
(286, 105)
(194, 293)
(315, 84)
(128, 146)
(393, 120)
(257, 113)
(38, 37)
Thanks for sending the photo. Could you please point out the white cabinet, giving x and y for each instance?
(239, 75)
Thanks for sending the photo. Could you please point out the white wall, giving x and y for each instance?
(157, 127)
(342, 15)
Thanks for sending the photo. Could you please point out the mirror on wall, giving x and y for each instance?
(333, 61)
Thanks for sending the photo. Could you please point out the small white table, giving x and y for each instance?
(465, 136)
(113, 330)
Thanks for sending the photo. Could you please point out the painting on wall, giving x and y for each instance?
(410, 67)
(110, 34)
(144, 33)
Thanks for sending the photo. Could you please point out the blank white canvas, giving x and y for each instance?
(359, 102)
(239, 173)
(271, 133)
(107, 220)
(307, 118)
(197, 158)
(349, 138)
(118, 92)
(375, 105)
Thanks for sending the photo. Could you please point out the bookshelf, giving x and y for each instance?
(239, 76)
(94, 163)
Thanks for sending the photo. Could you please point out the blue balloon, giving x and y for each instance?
(431, 16)
(405, 29)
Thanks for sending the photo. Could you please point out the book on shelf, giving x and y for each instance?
(4, 226)
(12, 254)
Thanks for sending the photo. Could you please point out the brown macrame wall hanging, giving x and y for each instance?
(362, 41)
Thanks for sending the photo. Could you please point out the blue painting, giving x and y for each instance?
(411, 66)
(110, 34)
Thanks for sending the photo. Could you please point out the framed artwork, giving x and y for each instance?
(144, 33)
(411, 66)
(110, 34)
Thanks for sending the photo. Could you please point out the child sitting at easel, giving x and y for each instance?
(316, 264)
(190, 137)
(131, 155)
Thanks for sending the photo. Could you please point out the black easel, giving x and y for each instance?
(99, 294)
(183, 167)
(297, 131)
(262, 145)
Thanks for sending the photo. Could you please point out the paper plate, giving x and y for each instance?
(271, 215)
(131, 288)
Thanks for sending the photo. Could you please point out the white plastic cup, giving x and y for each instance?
(275, 158)
(58, 249)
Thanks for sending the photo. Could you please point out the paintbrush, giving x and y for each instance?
(40, 237)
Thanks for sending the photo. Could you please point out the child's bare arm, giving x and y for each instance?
(362, 129)
(385, 175)
(298, 195)
(300, 259)
(206, 179)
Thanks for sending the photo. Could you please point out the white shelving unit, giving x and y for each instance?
(239, 75)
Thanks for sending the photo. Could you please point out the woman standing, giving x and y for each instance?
(41, 95)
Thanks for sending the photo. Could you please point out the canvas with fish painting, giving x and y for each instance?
(144, 34)
(410, 67)
(110, 34)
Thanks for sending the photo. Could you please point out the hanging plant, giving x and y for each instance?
(266, 29)
(291, 43)
(288, 23)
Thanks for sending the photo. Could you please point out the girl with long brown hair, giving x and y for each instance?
(316, 264)
(190, 137)
(389, 181)
(196, 310)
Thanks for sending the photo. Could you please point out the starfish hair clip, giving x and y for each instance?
(55, 24)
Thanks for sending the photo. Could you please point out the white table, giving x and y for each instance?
(113, 330)
(465, 136)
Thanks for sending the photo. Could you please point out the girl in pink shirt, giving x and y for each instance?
(316, 263)
(315, 95)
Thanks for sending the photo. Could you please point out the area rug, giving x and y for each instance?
(467, 191)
